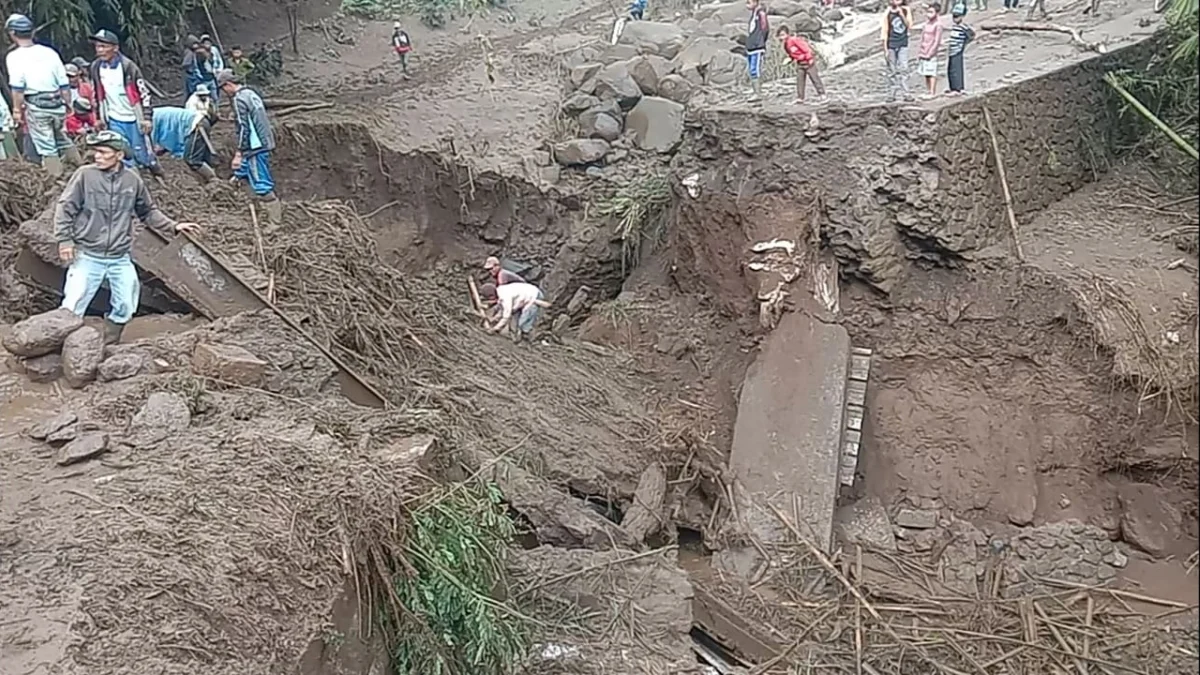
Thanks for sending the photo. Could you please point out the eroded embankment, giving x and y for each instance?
(997, 393)
(429, 207)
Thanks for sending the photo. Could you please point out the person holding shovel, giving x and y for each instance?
(521, 300)
(183, 132)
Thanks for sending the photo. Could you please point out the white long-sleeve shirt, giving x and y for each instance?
(516, 297)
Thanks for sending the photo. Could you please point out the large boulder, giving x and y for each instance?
(82, 353)
(580, 151)
(656, 123)
(832, 14)
(42, 333)
(229, 363)
(578, 102)
(615, 53)
(600, 124)
(44, 368)
(727, 12)
(614, 83)
(647, 70)
(1147, 522)
(724, 69)
(786, 7)
(675, 88)
(693, 61)
(805, 23)
(580, 74)
(652, 37)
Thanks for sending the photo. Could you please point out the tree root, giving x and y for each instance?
(1076, 37)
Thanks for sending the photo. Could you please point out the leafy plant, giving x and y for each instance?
(432, 13)
(456, 558)
(640, 208)
(66, 23)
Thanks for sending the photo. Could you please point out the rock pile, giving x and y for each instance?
(56, 344)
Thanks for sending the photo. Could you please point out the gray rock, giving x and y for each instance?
(45, 368)
(617, 155)
(561, 323)
(865, 523)
(729, 12)
(917, 519)
(578, 300)
(41, 333)
(647, 71)
(162, 415)
(1147, 522)
(614, 53)
(652, 37)
(786, 7)
(656, 123)
(82, 449)
(614, 83)
(869, 6)
(675, 88)
(693, 62)
(580, 151)
(228, 363)
(43, 429)
(1117, 558)
(805, 24)
(832, 15)
(120, 366)
(581, 74)
(599, 124)
(578, 102)
(67, 433)
(550, 174)
(82, 352)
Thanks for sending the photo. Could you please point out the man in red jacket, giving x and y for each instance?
(801, 53)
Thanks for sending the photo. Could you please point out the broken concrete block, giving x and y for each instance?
(656, 123)
(917, 519)
(580, 151)
(82, 352)
(41, 430)
(45, 368)
(82, 449)
(120, 366)
(228, 363)
(41, 333)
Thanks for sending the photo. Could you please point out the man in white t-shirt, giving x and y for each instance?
(41, 94)
(522, 300)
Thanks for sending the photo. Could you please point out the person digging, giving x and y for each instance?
(255, 142)
(94, 226)
(519, 302)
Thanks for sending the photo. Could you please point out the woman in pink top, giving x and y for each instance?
(931, 41)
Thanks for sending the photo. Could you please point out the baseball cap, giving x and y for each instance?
(106, 36)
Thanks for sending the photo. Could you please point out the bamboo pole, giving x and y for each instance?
(1145, 112)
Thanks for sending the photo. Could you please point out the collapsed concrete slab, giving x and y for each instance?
(787, 438)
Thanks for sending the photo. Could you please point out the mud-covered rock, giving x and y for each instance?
(692, 63)
(41, 333)
(724, 69)
(580, 151)
(656, 123)
(583, 73)
(652, 37)
(549, 175)
(787, 7)
(579, 102)
(729, 12)
(83, 448)
(599, 124)
(805, 23)
(674, 87)
(614, 83)
(865, 523)
(120, 366)
(42, 430)
(917, 519)
(82, 352)
(832, 14)
(1147, 522)
(228, 363)
(647, 70)
(45, 368)
(162, 415)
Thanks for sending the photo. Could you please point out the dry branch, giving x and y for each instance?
(1076, 37)
(1008, 201)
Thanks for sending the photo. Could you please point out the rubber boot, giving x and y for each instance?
(756, 89)
(112, 332)
(53, 166)
(273, 208)
(206, 173)
(157, 171)
(72, 156)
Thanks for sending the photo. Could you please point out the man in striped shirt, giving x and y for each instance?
(960, 35)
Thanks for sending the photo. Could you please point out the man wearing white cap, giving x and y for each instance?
(402, 44)
(201, 101)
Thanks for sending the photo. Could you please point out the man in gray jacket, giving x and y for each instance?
(255, 139)
(93, 224)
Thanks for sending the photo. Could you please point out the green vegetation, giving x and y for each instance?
(432, 13)
(1166, 92)
(140, 22)
(451, 621)
(640, 208)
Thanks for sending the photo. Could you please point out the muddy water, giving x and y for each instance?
(152, 325)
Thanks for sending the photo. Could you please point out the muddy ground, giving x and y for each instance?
(1012, 436)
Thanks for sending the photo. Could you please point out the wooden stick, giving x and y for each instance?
(1076, 37)
(258, 241)
(1008, 205)
(212, 25)
(301, 108)
(1058, 637)
(207, 141)
(476, 303)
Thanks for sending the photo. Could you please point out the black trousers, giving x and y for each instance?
(196, 152)
(954, 73)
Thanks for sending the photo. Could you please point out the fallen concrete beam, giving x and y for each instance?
(748, 640)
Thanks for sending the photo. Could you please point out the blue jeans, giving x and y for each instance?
(754, 63)
(256, 170)
(88, 273)
(528, 316)
(139, 149)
